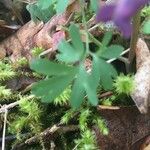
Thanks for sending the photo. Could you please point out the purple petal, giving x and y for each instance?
(127, 8)
(105, 13)
(124, 26)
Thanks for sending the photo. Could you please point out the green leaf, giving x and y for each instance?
(44, 4)
(51, 88)
(94, 77)
(78, 94)
(107, 73)
(112, 51)
(68, 53)
(39, 14)
(146, 27)
(78, 91)
(71, 53)
(76, 39)
(44, 66)
(61, 5)
(107, 38)
(34, 12)
(94, 5)
(84, 83)
(91, 94)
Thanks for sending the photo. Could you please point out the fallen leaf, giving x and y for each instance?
(141, 93)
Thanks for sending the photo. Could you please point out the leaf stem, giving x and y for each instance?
(134, 39)
(85, 24)
(99, 44)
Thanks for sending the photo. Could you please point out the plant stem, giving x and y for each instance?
(99, 44)
(85, 24)
(134, 38)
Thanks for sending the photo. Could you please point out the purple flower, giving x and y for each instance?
(121, 13)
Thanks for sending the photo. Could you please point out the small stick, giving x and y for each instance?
(6, 107)
(52, 130)
(11, 105)
(113, 59)
(4, 129)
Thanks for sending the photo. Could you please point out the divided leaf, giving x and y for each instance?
(37, 12)
(67, 53)
(61, 5)
(46, 67)
(107, 73)
(146, 27)
(94, 77)
(112, 51)
(94, 5)
(91, 94)
(78, 94)
(78, 91)
(51, 88)
(71, 53)
(76, 39)
(84, 85)
(107, 38)
(44, 4)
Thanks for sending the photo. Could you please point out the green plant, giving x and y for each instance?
(6, 71)
(87, 141)
(124, 84)
(44, 10)
(36, 51)
(145, 11)
(21, 62)
(5, 93)
(146, 28)
(30, 117)
(64, 98)
(59, 76)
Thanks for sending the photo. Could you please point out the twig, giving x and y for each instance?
(9, 106)
(4, 129)
(75, 148)
(13, 137)
(46, 52)
(52, 130)
(106, 94)
(113, 59)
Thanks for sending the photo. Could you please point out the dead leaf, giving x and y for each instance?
(20, 42)
(141, 94)
(44, 37)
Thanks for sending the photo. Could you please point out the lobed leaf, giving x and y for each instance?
(107, 73)
(51, 88)
(46, 67)
(44, 4)
(146, 27)
(76, 39)
(94, 5)
(68, 53)
(107, 38)
(112, 51)
(61, 5)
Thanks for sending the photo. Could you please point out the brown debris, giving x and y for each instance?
(21, 41)
(31, 35)
(126, 126)
(141, 94)
(44, 38)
